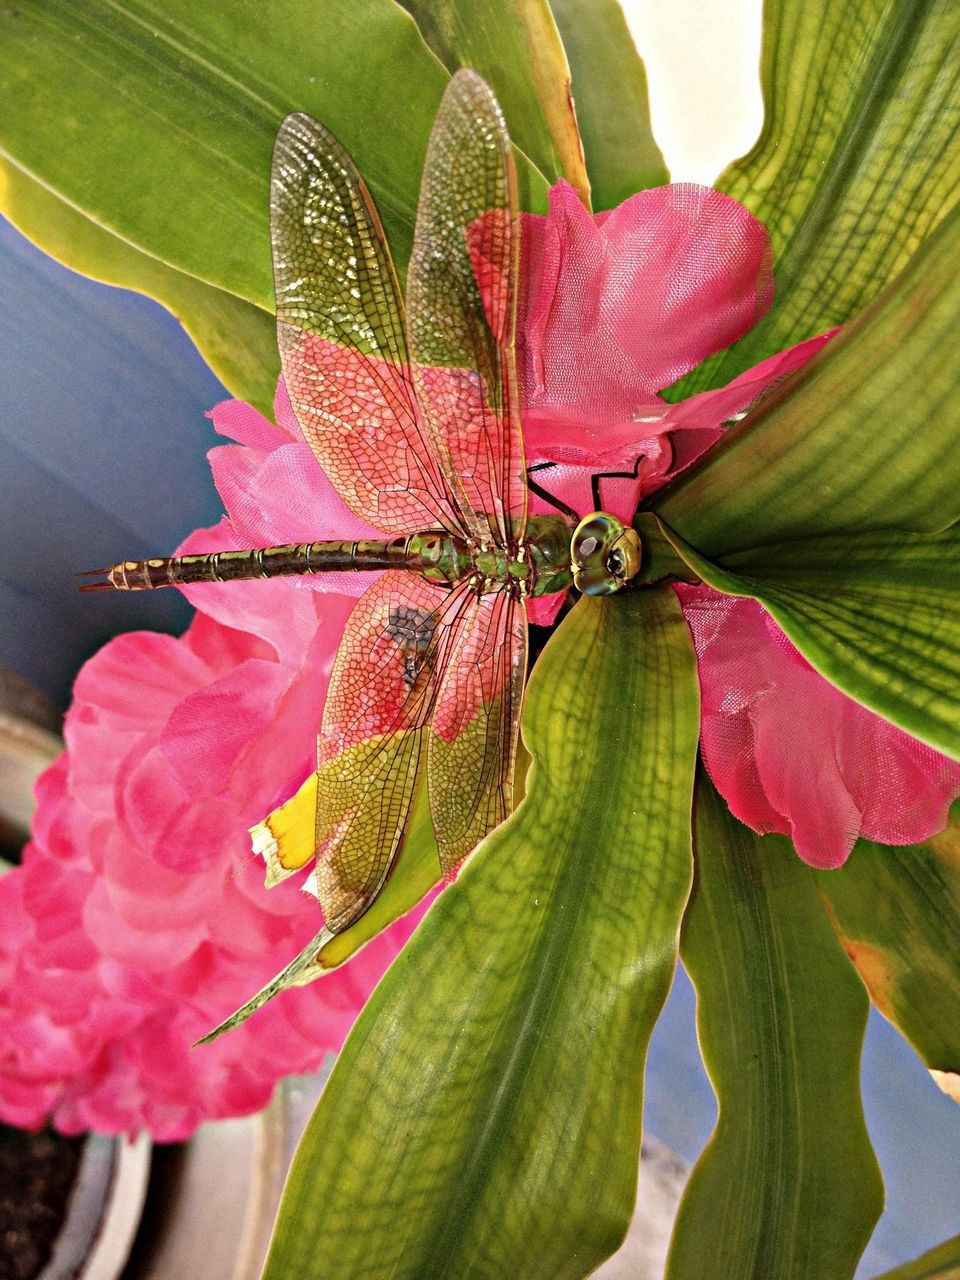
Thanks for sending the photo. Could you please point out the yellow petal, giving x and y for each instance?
(949, 1082)
(286, 839)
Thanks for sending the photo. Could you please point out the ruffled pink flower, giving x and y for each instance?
(139, 919)
(613, 309)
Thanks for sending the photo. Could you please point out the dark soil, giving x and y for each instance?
(37, 1171)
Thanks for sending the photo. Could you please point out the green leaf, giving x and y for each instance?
(866, 436)
(162, 125)
(788, 1187)
(236, 339)
(940, 1263)
(858, 160)
(517, 49)
(484, 1117)
(897, 913)
(149, 166)
(610, 96)
(877, 614)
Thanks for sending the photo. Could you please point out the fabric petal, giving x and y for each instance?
(790, 753)
(138, 919)
(657, 447)
(616, 308)
(241, 422)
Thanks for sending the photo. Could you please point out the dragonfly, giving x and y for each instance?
(411, 407)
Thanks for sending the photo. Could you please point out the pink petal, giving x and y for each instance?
(155, 811)
(283, 413)
(241, 422)
(239, 704)
(542, 610)
(697, 422)
(24, 1103)
(116, 937)
(279, 756)
(112, 691)
(791, 753)
(221, 647)
(616, 308)
(282, 496)
(681, 433)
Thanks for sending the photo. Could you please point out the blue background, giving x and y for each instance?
(102, 403)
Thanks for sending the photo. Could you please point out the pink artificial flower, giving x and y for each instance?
(790, 753)
(614, 308)
(139, 919)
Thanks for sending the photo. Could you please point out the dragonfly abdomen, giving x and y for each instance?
(434, 555)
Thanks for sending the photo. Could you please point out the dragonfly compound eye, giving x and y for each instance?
(605, 554)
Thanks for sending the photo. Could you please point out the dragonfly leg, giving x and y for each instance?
(532, 485)
(612, 475)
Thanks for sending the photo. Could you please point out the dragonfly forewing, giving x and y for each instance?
(461, 317)
(414, 416)
(342, 338)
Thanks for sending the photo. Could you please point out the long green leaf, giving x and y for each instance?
(788, 1187)
(867, 436)
(516, 47)
(156, 118)
(237, 339)
(610, 96)
(484, 1117)
(897, 913)
(877, 614)
(940, 1263)
(858, 160)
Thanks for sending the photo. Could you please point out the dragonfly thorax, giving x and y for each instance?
(538, 564)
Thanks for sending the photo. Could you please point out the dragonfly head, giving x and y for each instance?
(605, 554)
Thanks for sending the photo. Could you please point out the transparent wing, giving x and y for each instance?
(340, 328)
(399, 639)
(468, 231)
(473, 738)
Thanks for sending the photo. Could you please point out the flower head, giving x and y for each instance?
(138, 919)
(790, 753)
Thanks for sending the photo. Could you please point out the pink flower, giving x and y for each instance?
(792, 754)
(138, 919)
(615, 308)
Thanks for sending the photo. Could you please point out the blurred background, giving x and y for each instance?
(102, 404)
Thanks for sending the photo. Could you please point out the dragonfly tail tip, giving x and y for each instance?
(104, 583)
